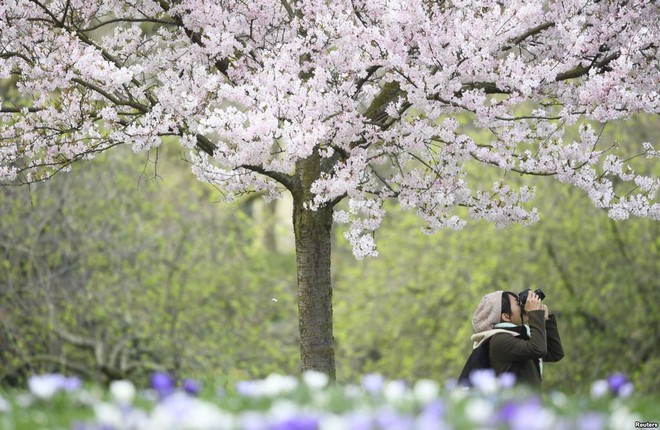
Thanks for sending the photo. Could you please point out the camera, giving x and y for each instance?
(522, 297)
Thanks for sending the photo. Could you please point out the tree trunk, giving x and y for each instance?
(313, 246)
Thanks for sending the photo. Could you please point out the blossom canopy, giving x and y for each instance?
(373, 90)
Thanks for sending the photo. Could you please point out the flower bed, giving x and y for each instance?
(313, 403)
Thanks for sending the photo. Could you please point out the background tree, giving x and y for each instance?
(120, 286)
(350, 100)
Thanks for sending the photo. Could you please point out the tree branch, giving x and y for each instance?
(580, 70)
(289, 9)
(207, 146)
(19, 110)
(120, 347)
(47, 358)
(360, 83)
(222, 65)
(72, 338)
(516, 170)
(531, 32)
(112, 98)
(287, 180)
(204, 144)
(390, 92)
(147, 365)
(122, 20)
(17, 54)
(488, 87)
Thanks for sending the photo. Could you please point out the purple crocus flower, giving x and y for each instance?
(431, 416)
(252, 420)
(392, 420)
(591, 421)
(436, 409)
(191, 386)
(508, 412)
(45, 386)
(373, 383)
(507, 380)
(531, 416)
(78, 425)
(297, 423)
(71, 383)
(162, 383)
(484, 380)
(247, 388)
(617, 381)
(360, 421)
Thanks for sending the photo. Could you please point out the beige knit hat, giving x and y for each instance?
(488, 312)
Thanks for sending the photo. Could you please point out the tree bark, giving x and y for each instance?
(313, 230)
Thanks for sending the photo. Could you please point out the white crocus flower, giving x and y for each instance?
(426, 390)
(181, 411)
(315, 380)
(207, 416)
(275, 385)
(108, 415)
(599, 388)
(5, 406)
(123, 392)
(334, 422)
(44, 386)
(478, 410)
(621, 416)
(394, 391)
(284, 409)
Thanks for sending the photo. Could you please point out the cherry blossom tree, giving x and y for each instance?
(346, 100)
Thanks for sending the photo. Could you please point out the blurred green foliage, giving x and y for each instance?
(408, 312)
(146, 270)
(138, 257)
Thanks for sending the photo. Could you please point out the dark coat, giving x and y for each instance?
(520, 354)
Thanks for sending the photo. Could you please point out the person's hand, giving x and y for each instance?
(533, 302)
(545, 309)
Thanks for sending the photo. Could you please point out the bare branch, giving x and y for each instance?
(147, 365)
(47, 358)
(120, 347)
(70, 337)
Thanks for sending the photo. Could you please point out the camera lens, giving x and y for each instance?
(522, 297)
(539, 293)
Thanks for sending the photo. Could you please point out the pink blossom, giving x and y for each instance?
(252, 88)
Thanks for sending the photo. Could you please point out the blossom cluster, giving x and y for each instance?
(376, 90)
(312, 402)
